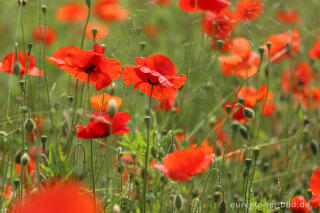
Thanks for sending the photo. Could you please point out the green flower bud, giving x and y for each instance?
(248, 112)
(222, 207)
(178, 202)
(314, 146)
(94, 32)
(147, 120)
(244, 132)
(248, 162)
(17, 68)
(29, 125)
(112, 108)
(220, 44)
(44, 9)
(256, 152)
(25, 159)
(143, 45)
(228, 108)
(261, 52)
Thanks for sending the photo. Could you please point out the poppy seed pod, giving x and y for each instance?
(222, 207)
(94, 32)
(18, 157)
(248, 162)
(17, 68)
(30, 47)
(241, 100)
(216, 196)
(244, 132)
(16, 183)
(112, 108)
(88, 2)
(269, 45)
(29, 125)
(22, 84)
(314, 146)
(261, 52)
(219, 44)
(228, 108)
(25, 159)
(248, 112)
(143, 45)
(256, 152)
(22, 2)
(44, 9)
(147, 120)
(70, 99)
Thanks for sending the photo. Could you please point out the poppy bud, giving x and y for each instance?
(147, 120)
(131, 176)
(22, 85)
(305, 121)
(25, 159)
(269, 45)
(248, 162)
(248, 112)
(256, 152)
(222, 207)
(120, 168)
(88, 2)
(261, 52)
(216, 196)
(241, 100)
(29, 47)
(22, 2)
(143, 45)
(228, 108)
(29, 125)
(112, 108)
(314, 146)
(70, 99)
(94, 32)
(244, 132)
(178, 202)
(44, 9)
(116, 209)
(112, 87)
(235, 126)
(17, 68)
(18, 157)
(219, 44)
(16, 183)
(288, 47)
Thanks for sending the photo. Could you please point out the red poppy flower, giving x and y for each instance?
(102, 33)
(298, 79)
(249, 9)
(289, 16)
(40, 34)
(10, 59)
(151, 30)
(110, 10)
(218, 128)
(243, 62)
(279, 45)
(299, 204)
(58, 196)
(237, 111)
(99, 126)
(7, 191)
(167, 104)
(183, 164)
(155, 71)
(101, 101)
(315, 188)
(72, 12)
(314, 53)
(203, 5)
(162, 2)
(84, 64)
(220, 25)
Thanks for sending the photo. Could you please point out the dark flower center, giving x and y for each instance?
(90, 69)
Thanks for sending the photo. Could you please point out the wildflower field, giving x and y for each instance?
(142, 106)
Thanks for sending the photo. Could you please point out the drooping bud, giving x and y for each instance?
(25, 159)
(220, 44)
(248, 112)
(29, 125)
(178, 202)
(18, 157)
(222, 207)
(248, 162)
(314, 146)
(94, 32)
(112, 108)
(244, 132)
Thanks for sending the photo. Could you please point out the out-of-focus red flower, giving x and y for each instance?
(297, 79)
(183, 164)
(7, 191)
(100, 101)
(315, 188)
(99, 126)
(299, 204)
(10, 59)
(162, 2)
(59, 196)
(203, 5)
(151, 30)
(243, 62)
(72, 12)
(249, 9)
(218, 127)
(237, 111)
(88, 65)
(110, 10)
(102, 33)
(167, 104)
(288, 16)
(314, 53)
(38, 120)
(155, 71)
(280, 42)
(220, 26)
(40, 34)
